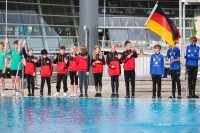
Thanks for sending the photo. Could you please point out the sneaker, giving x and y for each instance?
(112, 95)
(127, 96)
(159, 97)
(86, 95)
(49, 94)
(153, 97)
(179, 97)
(32, 94)
(2, 94)
(72, 94)
(117, 95)
(195, 96)
(100, 95)
(65, 94)
(96, 95)
(29, 94)
(81, 95)
(56, 94)
(189, 96)
(172, 97)
(132, 96)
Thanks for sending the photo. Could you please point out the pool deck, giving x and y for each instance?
(106, 90)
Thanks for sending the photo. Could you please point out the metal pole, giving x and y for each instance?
(180, 26)
(183, 36)
(22, 82)
(104, 17)
(6, 17)
(86, 35)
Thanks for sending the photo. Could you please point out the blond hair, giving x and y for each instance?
(112, 45)
(94, 52)
(75, 49)
(83, 49)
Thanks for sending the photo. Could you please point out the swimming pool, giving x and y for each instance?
(93, 115)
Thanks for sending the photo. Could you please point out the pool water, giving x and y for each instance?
(93, 115)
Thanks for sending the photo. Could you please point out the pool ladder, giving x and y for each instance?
(22, 80)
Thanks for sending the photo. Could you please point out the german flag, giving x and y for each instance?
(159, 23)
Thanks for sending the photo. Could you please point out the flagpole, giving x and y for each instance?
(146, 23)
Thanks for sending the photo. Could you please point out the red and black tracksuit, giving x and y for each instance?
(29, 70)
(129, 70)
(62, 70)
(46, 69)
(83, 67)
(98, 71)
(114, 73)
(73, 69)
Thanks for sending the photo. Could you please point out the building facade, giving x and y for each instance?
(52, 23)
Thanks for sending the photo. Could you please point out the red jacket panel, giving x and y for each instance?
(62, 67)
(83, 62)
(73, 63)
(97, 67)
(129, 63)
(46, 67)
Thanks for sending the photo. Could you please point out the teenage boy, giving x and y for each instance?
(62, 69)
(128, 58)
(16, 58)
(157, 70)
(173, 54)
(192, 57)
(3, 65)
(45, 72)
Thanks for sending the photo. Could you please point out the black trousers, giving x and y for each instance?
(62, 77)
(192, 77)
(98, 81)
(130, 74)
(48, 80)
(73, 77)
(31, 83)
(115, 83)
(175, 76)
(156, 79)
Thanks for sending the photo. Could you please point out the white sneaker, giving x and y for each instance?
(14, 93)
(2, 94)
(17, 93)
(56, 94)
(65, 94)
(72, 95)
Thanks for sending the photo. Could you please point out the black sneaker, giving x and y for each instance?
(159, 97)
(41, 95)
(133, 96)
(117, 95)
(96, 95)
(189, 96)
(179, 97)
(29, 94)
(99, 95)
(81, 95)
(153, 97)
(127, 96)
(195, 96)
(32, 94)
(112, 95)
(172, 97)
(86, 95)
(49, 94)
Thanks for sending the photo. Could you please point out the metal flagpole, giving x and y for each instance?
(6, 18)
(104, 17)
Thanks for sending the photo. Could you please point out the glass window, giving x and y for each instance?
(101, 21)
(188, 33)
(67, 42)
(60, 2)
(50, 31)
(28, 8)
(59, 10)
(61, 20)
(127, 22)
(12, 8)
(113, 3)
(152, 36)
(133, 34)
(125, 3)
(117, 35)
(30, 19)
(140, 22)
(35, 43)
(1, 31)
(29, 31)
(45, 9)
(2, 18)
(69, 10)
(14, 18)
(114, 22)
(45, 1)
(46, 20)
(53, 44)
(65, 31)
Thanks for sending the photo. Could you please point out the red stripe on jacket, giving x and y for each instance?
(129, 63)
(98, 67)
(62, 67)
